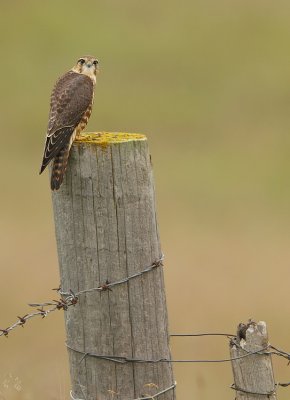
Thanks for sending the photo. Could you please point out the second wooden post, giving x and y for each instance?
(252, 363)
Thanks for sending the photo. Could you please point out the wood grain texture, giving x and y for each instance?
(106, 229)
(253, 373)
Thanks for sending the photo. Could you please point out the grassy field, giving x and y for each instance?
(209, 83)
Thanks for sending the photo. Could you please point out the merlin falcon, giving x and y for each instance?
(70, 108)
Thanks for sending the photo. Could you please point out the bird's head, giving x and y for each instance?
(87, 65)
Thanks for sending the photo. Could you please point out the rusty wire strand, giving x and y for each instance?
(285, 384)
(200, 334)
(124, 360)
(273, 391)
(280, 353)
(238, 389)
(274, 351)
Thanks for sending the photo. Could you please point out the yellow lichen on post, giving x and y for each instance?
(107, 138)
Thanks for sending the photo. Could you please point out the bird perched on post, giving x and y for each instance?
(70, 108)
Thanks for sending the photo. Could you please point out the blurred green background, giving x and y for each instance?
(209, 83)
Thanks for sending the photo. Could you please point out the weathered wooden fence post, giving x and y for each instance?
(106, 230)
(253, 374)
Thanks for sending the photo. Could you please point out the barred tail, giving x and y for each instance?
(59, 167)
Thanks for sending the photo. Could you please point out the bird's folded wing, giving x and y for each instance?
(71, 97)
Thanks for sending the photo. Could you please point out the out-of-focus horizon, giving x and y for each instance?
(209, 83)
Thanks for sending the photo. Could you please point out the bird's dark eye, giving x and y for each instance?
(81, 61)
(96, 62)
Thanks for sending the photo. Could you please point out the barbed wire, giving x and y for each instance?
(22, 320)
(71, 299)
(107, 286)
